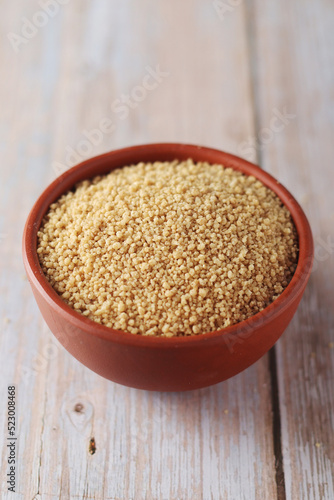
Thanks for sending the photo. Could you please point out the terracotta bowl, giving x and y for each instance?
(165, 364)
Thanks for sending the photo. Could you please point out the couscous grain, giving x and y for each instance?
(168, 249)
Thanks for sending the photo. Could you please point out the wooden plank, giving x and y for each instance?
(26, 85)
(294, 70)
(207, 444)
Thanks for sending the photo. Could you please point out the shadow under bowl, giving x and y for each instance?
(153, 363)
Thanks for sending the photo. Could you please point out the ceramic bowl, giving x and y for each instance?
(153, 363)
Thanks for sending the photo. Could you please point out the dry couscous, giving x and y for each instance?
(168, 248)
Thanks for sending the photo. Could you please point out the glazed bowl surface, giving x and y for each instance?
(159, 363)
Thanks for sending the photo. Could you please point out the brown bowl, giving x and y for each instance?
(164, 364)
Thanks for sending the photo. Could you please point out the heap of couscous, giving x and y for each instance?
(168, 248)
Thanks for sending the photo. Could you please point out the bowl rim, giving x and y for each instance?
(76, 320)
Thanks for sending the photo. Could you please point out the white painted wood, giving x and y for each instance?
(216, 443)
(295, 69)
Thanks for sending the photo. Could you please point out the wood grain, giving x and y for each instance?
(224, 79)
(295, 71)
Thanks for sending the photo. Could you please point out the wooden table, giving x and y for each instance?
(250, 77)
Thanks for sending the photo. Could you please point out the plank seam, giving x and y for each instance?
(276, 424)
